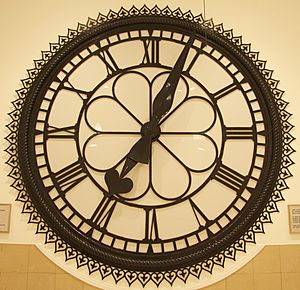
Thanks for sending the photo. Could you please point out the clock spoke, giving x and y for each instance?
(196, 133)
(190, 62)
(80, 93)
(227, 90)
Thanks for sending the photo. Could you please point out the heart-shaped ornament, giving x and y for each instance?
(117, 184)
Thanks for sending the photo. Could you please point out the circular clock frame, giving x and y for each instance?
(206, 254)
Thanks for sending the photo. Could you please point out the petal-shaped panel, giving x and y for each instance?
(102, 152)
(132, 89)
(196, 114)
(169, 177)
(105, 114)
(197, 152)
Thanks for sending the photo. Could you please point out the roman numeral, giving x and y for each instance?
(227, 90)
(64, 132)
(80, 93)
(108, 60)
(69, 177)
(151, 51)
(201, 218)
(151, 226)
(230, 178)
(103, 213)
(239, 133)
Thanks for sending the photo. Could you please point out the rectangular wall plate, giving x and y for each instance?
(5, 212)
(294, 218)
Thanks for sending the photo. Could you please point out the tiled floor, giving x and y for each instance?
(275, 268)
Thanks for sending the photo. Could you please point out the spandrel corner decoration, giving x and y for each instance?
(150, 146)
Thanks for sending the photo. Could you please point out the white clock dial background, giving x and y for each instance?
(281, 55)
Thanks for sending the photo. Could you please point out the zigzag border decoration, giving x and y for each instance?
(145, 278)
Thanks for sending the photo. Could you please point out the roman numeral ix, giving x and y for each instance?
(63, 133)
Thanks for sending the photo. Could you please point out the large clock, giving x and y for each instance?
(150, 143)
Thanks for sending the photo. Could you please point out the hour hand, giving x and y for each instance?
(139, 153)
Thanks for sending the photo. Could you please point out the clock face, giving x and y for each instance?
(150, 143)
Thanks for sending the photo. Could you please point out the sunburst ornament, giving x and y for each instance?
(149, 145)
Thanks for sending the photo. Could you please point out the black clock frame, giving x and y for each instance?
(210, 252)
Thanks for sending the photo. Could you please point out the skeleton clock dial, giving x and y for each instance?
(150, 143)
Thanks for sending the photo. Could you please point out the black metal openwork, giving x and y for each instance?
(251, 187)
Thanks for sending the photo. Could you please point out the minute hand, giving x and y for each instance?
(164, 99)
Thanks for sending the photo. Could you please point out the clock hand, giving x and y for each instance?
(164, 99)
(140, 152)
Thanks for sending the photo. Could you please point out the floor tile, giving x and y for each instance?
(41, 281)
(59, 270)
(90, 287)
(14, 258)
(267, 281)
(66, 281)
(247, 269)
(267, 261)
(290, 258)
(290, 281)
(39, 263)
(13, 281)
(217, 286)
(240, 281)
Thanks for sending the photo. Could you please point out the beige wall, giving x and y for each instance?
(274, 268)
